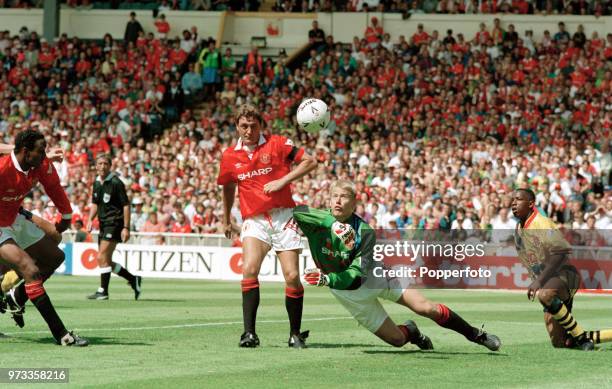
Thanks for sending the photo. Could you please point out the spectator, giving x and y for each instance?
(210, 61)
(162, 26)
(373, 33)
(316, 36)
(138, 217)
(181, 225)
(132, 29)
(81, 235)
(191, 84)
(562, 36)
(228, 64)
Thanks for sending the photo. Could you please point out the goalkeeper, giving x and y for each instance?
(341, 244)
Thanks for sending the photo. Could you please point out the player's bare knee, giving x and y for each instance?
(250, 271)
(292, 278)
(28, 270)
(546, 296)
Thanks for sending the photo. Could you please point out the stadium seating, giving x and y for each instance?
(429, 129)
(600, 8)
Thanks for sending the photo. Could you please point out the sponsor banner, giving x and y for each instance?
(487, 272)
(66, 267)
(188, 262)
(488, 259)
(225, 263)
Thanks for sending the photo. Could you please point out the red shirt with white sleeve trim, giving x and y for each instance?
(251, 170)
(17, 183)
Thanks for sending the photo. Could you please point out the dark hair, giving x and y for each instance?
(530, 195)
(27, 139)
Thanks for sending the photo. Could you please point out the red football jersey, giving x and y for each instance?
(16, 184)
(269, 161)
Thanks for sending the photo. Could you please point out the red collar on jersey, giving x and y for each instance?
(534, 213)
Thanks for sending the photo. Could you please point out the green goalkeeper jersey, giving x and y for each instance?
(345, 267)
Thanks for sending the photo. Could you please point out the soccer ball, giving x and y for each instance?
(313, 115)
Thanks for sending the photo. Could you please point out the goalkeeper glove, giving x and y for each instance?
(315, 277)
(345, 233)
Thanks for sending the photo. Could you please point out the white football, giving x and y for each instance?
(313, 115)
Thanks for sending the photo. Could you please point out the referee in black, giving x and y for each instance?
(112, 206)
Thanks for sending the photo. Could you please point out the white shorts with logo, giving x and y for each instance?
(23, 232)
(275, 227)
(364, 306)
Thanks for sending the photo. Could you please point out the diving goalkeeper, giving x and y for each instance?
(341, 244)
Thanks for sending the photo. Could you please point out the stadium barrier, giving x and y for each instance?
(290, 30)
(181, 239)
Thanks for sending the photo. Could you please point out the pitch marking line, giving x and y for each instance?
(227, 323)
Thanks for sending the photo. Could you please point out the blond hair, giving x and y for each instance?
(105, 157)
(345, 185)
(248, 111)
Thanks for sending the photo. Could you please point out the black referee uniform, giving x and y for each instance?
(110, 197)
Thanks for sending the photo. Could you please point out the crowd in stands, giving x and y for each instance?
(436, 129)
(153, 5)
(569, 7)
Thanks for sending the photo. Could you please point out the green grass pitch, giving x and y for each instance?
(185, 333)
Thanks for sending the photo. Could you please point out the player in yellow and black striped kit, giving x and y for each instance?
(545, 252)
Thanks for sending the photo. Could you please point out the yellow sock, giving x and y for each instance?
(601, 336)
(567, 321)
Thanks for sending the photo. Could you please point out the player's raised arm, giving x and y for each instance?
(306, 164)
(51, 182)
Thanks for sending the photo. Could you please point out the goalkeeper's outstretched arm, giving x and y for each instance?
(310, 219)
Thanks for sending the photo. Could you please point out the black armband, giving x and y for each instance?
(28, 215)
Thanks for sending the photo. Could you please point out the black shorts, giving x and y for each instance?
(110, 233)
(569, 274)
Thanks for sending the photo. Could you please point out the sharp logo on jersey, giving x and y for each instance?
(254, 173)
(341, 254)
(265, 158)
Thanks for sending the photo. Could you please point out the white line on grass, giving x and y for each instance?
(227, 323)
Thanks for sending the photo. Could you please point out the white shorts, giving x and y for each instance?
(364, 306)
(275, 227)
(23, 232)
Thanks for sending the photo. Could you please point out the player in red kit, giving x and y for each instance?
(260, 167)
(23, 246)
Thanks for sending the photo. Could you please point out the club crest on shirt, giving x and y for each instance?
(238, 165)
(106, 198)
(265, 158)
